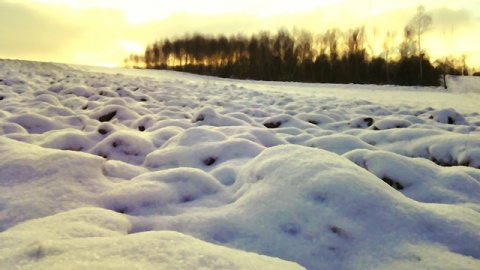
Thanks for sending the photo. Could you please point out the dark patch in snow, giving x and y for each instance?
(368, 120)
(333, 249)
(452, 163)
(1, 97)
(199, 118)
(451, 120)
(107, 117)
(187, 198)
(37, 251)
(362, 122)
(395, 126)
(209, 161)
(141, 128)
(443, 163)
(396, 185)
(415, 258)
(121, 210)
(291, 228)
(339, 231)
(76, 149)
(273, 125)
(313, 122)
(319, 197)
(102, 131)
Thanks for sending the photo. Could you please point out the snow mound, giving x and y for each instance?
(448, 116)
(38, 182)
(337, 143)
(335, 214)
(421, 179)
(91, 238)
(125, 146)
(204, 155)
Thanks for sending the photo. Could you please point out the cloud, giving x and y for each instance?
(447, 18)
(25, 29)
(57, 32)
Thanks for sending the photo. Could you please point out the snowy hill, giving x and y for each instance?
(140, 169)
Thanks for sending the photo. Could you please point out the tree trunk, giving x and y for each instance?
(420, 56)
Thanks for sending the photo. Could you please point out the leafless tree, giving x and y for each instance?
(407, 47)
(420, 23)
(388, 46)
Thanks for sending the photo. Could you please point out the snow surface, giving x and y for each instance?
(134, 169)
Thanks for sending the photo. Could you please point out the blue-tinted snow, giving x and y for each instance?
(124, 169)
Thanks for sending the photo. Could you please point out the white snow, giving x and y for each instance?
(140, 169)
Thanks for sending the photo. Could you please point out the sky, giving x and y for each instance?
(104, 32)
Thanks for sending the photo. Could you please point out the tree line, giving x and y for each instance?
(334, 56)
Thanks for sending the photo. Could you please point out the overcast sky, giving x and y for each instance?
(104, 32)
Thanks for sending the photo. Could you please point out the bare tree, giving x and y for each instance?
(407, 47)
(447, 65)
(464, 64)
(388, 47)
(420, 23)
(370, 41)
(331, 39)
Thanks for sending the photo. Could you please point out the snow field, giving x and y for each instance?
(180, 171)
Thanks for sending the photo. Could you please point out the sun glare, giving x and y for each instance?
(131, 46)
(376, 11)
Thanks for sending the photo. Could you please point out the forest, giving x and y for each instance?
(334, 56)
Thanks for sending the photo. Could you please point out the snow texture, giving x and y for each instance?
(135, 169)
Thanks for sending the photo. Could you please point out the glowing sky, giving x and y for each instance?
(104, 32)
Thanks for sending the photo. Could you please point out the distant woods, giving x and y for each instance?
(333, 56)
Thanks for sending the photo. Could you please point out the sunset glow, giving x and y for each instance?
(108, 31)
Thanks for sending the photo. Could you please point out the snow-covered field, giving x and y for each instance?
(135, 169)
